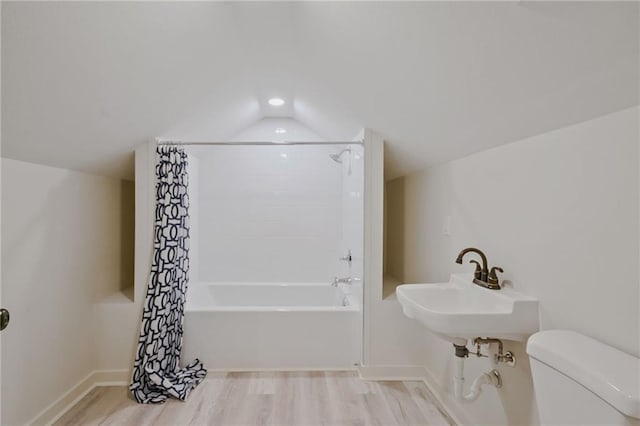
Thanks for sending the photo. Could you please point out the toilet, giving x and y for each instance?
(581, 381)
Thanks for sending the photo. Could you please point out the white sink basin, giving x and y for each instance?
(461, 310)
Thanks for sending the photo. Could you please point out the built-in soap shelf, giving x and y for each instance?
(389, 284)
(124, 295)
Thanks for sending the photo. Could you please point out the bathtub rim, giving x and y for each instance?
(262, 283)
(283, 309)
(353, 306)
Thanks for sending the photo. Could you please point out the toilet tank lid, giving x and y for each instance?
(609, 373)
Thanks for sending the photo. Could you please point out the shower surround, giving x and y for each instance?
(268, 226)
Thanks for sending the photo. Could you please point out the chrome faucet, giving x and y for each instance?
(347, 257)
(346, 280)
(482, 276)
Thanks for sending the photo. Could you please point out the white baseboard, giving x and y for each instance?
(112, 377)
(392, 372)
(96, 378)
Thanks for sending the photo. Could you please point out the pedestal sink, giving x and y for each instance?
(460, 310)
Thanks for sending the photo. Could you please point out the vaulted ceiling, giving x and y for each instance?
(84, 83)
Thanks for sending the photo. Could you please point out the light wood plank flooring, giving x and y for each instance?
(279, 398)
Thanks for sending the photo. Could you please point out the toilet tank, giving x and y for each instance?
(580, 381)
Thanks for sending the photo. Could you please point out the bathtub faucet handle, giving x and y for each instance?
(348, 257)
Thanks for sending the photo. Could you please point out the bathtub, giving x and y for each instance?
(263, 326)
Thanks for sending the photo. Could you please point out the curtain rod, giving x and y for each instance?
(162, 142)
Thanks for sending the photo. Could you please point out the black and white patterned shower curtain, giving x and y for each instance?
(156, 373)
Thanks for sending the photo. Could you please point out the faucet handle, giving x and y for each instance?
(347, 258)
(493, 277)
(477, 274)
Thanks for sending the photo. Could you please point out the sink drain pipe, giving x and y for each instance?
(488, 378)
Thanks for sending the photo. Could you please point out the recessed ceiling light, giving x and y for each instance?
(280, 130)
(283, 155)
(276, 102)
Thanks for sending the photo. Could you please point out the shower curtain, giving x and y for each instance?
(156, 374)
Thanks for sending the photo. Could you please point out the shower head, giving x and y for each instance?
(338, 157)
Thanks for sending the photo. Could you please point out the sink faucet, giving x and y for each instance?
(482, 276)
(484, 272)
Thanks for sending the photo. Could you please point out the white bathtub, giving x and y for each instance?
(249, 326)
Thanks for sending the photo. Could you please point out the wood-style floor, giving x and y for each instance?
(282, 398)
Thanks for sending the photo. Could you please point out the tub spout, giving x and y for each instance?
(346, 280)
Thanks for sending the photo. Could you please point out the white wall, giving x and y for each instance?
(391, 341)
(118, 324)
(61, 254)
(265, 130)
(268, 213)
(559, 212)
